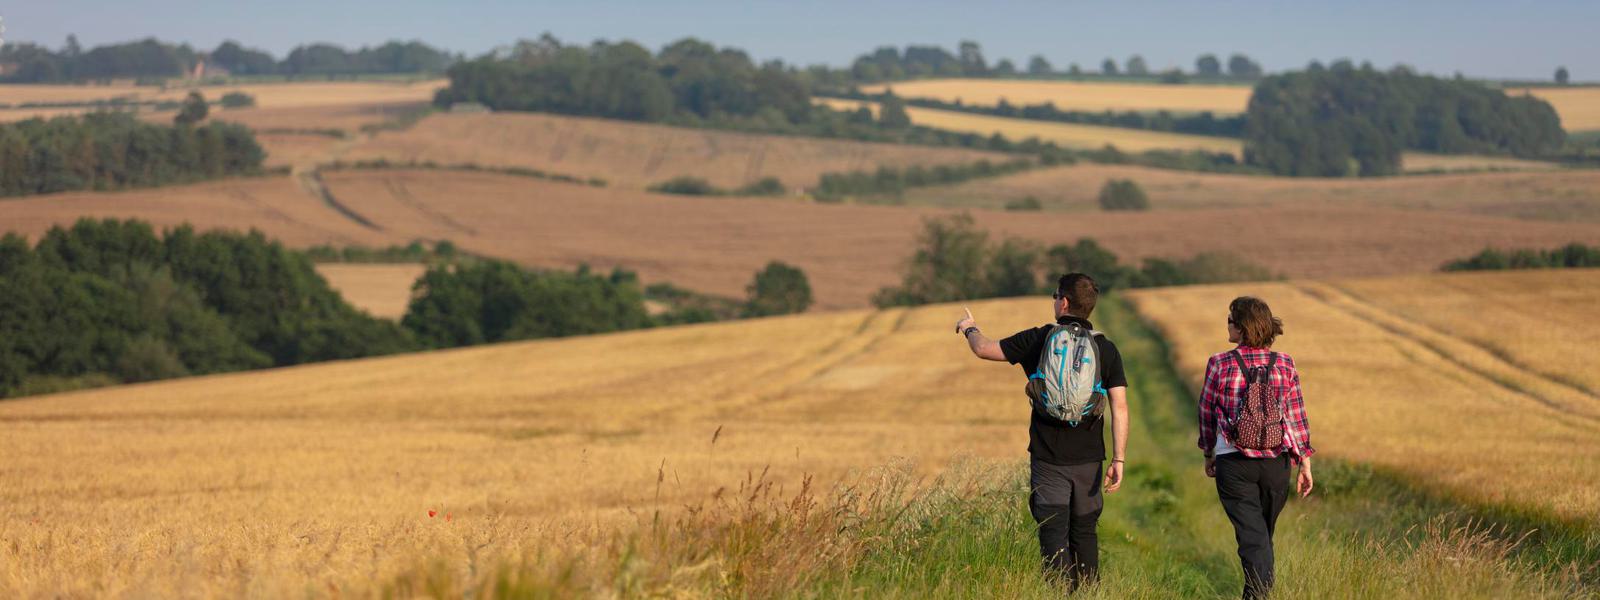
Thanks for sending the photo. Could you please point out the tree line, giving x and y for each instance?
(108, 301)
(1343, 120)
(153, 59)
(114, 150)
(889, 63)
(1570, 256)
(955, 260)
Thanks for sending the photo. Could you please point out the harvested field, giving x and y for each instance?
(1078, 95)
(322, 477)
(289, 149)
(276, 205)
(383, 290)
(1566, 195)
(273, 100)
(1479, 384)
(1069, 135)
(848, 251)
(715, 245)
(638, 155)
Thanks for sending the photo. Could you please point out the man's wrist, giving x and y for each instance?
(971, 329)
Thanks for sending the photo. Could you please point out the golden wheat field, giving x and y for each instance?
(1566, 195)
(638, 155)
(383, 290)
(1070, 135)
(1078, 95)
(319, 480)
(1579, 107)
(1479, 384)
(289, 104)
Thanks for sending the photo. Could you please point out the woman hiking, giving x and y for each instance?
(1252, 427)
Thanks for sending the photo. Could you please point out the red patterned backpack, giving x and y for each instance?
(1258, 424)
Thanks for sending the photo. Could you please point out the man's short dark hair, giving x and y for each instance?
(1081, 293)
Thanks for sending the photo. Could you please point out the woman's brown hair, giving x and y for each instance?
(1257, 326)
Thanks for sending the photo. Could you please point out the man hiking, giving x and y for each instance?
(1074, 376)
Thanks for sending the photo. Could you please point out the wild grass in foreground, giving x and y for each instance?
(967, 534)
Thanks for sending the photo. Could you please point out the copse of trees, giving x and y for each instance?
(892, 181)
(688, 80)
(113, 301)
(103, 151)
(955, 260)
(888, 63)
(153, 59)
(1341, 120)
(1123, 194)
(496, 301)
(777, 289)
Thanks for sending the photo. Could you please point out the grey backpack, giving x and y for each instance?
(1067, 386)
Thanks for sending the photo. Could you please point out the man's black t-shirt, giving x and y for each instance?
(1053, 440)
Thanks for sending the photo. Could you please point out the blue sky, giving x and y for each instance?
(1484, 39)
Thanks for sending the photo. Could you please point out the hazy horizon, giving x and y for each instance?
(1477, 38)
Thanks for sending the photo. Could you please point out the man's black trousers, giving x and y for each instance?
(1253, 491)
(1066, 503)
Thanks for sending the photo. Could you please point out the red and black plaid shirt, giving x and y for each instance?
(1224, 388)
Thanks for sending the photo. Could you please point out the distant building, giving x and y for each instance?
(201, 71)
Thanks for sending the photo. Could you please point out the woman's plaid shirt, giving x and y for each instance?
(1224, 388)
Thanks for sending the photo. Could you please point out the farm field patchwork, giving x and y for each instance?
(715, 245)
(1478, 384)
(275, 96)
(639, 155)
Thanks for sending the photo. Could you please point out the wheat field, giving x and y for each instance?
(1478, 384)
(1579, 107)
(287, 95)
(383, 290)
(1078, 95)
(1071, 135)
(335, 477)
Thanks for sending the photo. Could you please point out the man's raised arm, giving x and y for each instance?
(981, 345)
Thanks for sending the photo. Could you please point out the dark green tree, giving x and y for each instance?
(1208, 66)
(892, 112)
(1123, 194)
(1039, 66)
(1561, 75)
(194, 110)
(1136, 66)
(777, 289)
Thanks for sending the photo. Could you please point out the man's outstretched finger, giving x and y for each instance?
(969, 313)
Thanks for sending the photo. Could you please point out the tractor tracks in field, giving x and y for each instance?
(309, 175)
(779, 381)
(1575, 403)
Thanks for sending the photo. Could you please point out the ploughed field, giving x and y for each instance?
(1479, 384)
(714, 245)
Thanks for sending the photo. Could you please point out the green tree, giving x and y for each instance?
(194, 110)
(777, 289)
(1136, 66)
(1012, 269)
(892, 112)
(948, 264)
(1561, 75)
(1039, 66)
(1108, 67)
(1123, 194)
(1208, 66)
(1242, 67)
(1005, 68)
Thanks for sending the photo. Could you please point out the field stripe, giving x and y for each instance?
(1563, 400)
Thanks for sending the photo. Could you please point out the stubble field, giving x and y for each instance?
(638, 155)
